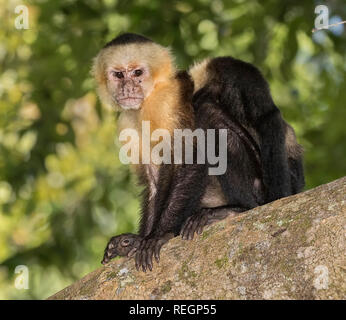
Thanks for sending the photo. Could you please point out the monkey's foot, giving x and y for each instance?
(198, 221)
(123, 245)
(148, 248)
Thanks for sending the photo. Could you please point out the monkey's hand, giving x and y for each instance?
(148, 248)
(123, 245)
(206, 216)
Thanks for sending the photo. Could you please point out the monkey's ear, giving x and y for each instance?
(97, 69)
(98, 73)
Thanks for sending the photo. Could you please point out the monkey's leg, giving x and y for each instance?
(207, 216)
(243, 155)
(123, 245)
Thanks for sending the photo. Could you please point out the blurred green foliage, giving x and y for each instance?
(63, 191)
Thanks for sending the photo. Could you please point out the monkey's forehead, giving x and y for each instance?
(136, 54)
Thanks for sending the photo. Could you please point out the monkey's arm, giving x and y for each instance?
(186, 190)
(156, 182)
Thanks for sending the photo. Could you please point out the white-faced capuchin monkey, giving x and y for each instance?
(264, 162)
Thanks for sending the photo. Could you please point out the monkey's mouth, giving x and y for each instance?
(129, 102)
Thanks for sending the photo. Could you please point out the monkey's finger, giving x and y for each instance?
(157, 251)
(150, 257)
(194, 226)
(185, 232)
(202, 224)
(183, 228)
(200, 229)
(142, 245)
(143, 260)
(132, 252)
(142, 255)
(188, 224)
(189, 232)
(149, 260)
(137, 264)
(138, 255)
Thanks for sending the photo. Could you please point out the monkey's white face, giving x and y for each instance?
(129, 85)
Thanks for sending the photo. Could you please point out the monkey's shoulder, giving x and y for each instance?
(226, 70)
(186, 84)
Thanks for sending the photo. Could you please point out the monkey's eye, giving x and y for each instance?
(119, 75)
(138, 72)
(125, 242)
